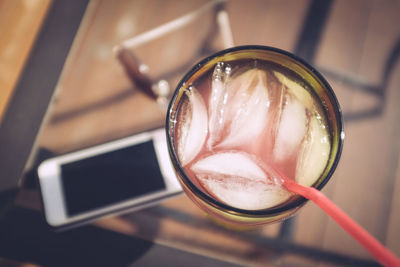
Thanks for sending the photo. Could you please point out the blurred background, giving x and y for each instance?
(355, 44)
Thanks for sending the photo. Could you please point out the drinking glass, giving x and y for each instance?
(223, 212)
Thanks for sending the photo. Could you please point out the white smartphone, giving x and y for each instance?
(108, 179)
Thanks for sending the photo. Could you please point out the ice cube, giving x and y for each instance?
(291, 130)
(244, 194)
(295, 90)
(314, 153)
(193, 130)
(247, 108)
(230, 163)
(236, 179)
(217, 102)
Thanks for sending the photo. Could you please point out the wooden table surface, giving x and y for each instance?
(19, 25)
(357, 51)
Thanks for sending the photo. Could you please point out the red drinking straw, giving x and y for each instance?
(373, 246)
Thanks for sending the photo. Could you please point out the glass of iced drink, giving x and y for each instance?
(241, 116)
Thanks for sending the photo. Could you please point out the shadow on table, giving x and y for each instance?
(25, 237)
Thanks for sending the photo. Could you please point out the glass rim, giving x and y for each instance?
(272, 210)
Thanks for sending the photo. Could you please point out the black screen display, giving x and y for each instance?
(111, 178)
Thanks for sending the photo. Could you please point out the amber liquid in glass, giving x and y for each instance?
(242, 121)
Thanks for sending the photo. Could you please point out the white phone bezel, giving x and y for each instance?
(49, 173)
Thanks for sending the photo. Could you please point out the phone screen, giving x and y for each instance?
(111, 177)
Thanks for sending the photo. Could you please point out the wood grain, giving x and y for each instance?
(20, 22)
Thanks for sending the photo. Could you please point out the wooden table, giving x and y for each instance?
(356, 46)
